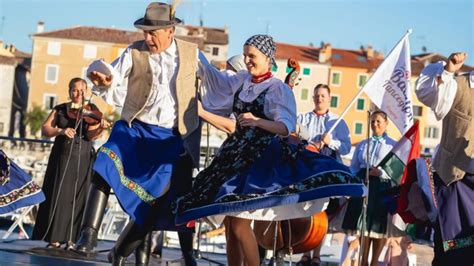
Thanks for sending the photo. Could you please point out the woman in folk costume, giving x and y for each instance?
(377, 212)
(255, 169)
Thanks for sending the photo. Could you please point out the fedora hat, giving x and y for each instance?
(157, 16)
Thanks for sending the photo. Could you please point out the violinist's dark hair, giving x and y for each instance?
(74, 80)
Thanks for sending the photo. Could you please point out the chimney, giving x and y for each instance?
(200, 31)
(40, 27)
(12, 48)
(325, 53)
(370, 52)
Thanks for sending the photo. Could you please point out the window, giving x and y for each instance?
(274, 68)
(361, 58)
(360, 104)
(54, 48)
(358, 128)
(306, 71)
(361, 80)
(336, 78)
(51, 74)
(334, 101)
(90, 51)
(1, 127)
(304, 94)
(49, 101)
(215, 51)
(337, 56)
(431, 132)
(417, 110)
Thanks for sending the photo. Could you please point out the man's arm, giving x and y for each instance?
(341, 142)
(110, 80)
(436, 87)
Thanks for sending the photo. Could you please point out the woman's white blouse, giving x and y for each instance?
(378, 149)
(218, 89)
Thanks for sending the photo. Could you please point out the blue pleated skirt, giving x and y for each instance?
(276, 179)
(138, 162)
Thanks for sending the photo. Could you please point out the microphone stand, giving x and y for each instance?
(79, 123)
(363, 237)
(197, 252)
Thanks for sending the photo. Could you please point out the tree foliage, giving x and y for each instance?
(35, 118)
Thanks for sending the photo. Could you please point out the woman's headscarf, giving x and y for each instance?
(265, 44)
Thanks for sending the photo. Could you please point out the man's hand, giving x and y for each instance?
(100, 79)
(248, 120)
(326, 139)
(455, 62)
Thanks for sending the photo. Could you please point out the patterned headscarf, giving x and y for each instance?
(265, 44)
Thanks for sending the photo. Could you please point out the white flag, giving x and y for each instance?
(389, 87)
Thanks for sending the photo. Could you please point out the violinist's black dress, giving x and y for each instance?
(65, 181)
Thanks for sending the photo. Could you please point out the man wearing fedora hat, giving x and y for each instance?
(449, 93)
(149, 157)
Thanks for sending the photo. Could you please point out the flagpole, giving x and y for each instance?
(366, 198)
(409, 31)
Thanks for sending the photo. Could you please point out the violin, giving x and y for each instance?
(90, 115)
(295, 235)
(292, 76)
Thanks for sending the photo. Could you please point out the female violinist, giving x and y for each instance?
(69, 167)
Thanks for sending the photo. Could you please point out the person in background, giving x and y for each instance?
(69, 168)
(313, 127)
(377, 211)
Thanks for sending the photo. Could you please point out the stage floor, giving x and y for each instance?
(29, 252)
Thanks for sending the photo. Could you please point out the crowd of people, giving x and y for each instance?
(165, 88)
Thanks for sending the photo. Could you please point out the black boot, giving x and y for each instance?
(93, 213)
(115, 259)
(142, 253)
(186, 243)
(129, 240)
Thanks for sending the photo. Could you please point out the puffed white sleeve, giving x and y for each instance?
(436, 88)
(280, 105)
(119, 69)
(218, 87)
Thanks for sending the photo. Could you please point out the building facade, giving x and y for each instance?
(14, 82)
(346, 72)
(59, 56)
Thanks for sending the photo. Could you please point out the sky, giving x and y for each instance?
(440, 26)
